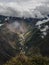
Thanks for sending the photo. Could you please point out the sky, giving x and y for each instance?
(24, 8)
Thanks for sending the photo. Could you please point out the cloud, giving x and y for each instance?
(1, 25)
(20, 8)
(43, 9)
(42, 22)
(17, 27)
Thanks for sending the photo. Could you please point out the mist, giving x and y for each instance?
(17, 27)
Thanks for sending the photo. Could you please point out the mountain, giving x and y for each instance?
(37, 40)
(9, 19)
(11, 39)
(27, 35)
(9, 44)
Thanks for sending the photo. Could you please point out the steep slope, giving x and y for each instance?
(37, 40)
(9, 44)
(11, 39)
(30, 39)
(23, 60)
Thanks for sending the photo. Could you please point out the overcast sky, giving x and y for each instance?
(26, 8)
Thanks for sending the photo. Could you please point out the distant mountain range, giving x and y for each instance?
(9, 19)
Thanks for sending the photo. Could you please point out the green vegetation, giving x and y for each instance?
(25, 60)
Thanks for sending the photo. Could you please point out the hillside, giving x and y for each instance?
(21, 36)
(37, 41)
(9, 44)
(21, 59)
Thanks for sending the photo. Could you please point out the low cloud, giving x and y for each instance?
(17, 27)
(43, 9)
(26, 8)
(42, 22)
